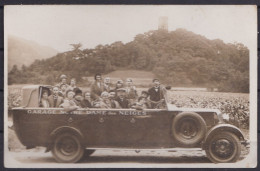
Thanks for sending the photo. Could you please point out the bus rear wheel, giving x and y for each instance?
(67, 148)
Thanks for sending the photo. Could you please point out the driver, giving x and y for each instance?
(156, 93)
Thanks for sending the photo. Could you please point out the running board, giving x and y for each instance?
(151, 149)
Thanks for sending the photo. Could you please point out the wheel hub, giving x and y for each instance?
(223, 148)
(68, 147)
(188, 129)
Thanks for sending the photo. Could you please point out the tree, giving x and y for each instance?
(76, 46)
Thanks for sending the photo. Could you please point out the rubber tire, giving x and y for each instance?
(201, 132)
(57, 154)
(227, 135)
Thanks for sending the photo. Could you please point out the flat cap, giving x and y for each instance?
(121, 89)
(63, 76)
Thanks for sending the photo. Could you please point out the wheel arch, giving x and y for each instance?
(59, 130)
(223, 127)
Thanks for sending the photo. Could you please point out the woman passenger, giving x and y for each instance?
(104, 101)
(72, 85)
(86, 102)
(69, 103)
(44, 102)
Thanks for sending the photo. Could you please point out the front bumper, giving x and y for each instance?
(246, 143)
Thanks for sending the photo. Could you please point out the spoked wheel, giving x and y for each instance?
(188, 129)
(67, 148)
(224, 147)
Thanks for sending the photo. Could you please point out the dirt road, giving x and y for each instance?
(118, 156)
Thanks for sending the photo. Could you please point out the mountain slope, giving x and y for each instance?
(25, 52)
(177, 58)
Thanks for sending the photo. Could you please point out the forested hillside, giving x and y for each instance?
(178, 58)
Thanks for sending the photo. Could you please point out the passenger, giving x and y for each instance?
(141, 104)
(44, 100)
(147, 101)
(112, 97)
(62, 91)
(104, 101)
(78, 96)
(119, 84)
(86, 102)
(131, 93)
(156, 93)
(69, 103)
(121, 98)
(97, 87)
(72, 85)
(63, 79)
(145, 94)
(107, 84)
(55, 100)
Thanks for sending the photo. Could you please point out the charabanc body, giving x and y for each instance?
(70, 135)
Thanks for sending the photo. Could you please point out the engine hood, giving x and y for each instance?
(172, 107)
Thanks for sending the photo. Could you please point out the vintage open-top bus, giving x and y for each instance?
(72, 135)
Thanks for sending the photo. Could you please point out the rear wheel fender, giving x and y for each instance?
(59, 130)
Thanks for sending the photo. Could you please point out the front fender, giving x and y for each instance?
(59, 130)
(223, 127)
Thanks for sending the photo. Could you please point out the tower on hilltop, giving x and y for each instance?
(163, 23)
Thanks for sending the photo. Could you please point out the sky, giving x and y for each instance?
(58, 26)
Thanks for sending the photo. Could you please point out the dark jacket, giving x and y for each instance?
(85, 104)
(96, 90)
(51, 100)
(156, 95)
(123, 103)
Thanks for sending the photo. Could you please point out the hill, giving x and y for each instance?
(25, 52)
(179, 58)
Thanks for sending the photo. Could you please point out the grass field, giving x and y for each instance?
(140, 78)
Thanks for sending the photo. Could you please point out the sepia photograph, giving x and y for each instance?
(130, 86)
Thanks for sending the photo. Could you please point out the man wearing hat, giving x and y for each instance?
(63, 79)
(121, 98)
(78, 96)
(119, 84)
